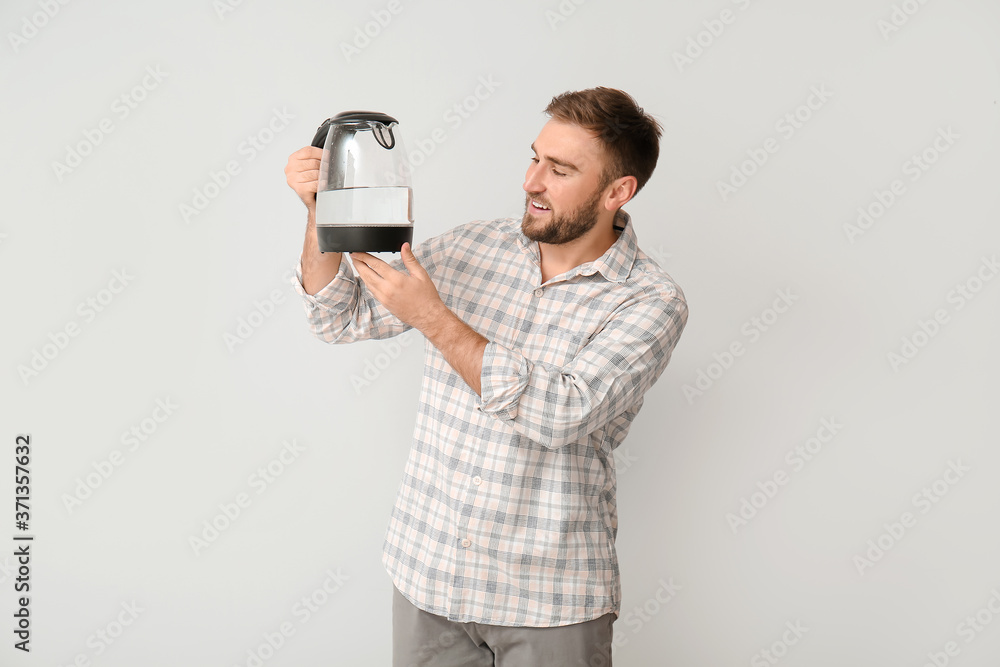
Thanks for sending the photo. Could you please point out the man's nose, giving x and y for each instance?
(532, 183)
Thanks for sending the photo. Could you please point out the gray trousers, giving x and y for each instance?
(421, 639)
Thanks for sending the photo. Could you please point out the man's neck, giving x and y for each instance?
(560, 258)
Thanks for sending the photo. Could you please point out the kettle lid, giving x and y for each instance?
(359, 118)
(345, 117)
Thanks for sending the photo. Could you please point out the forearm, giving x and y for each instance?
(548, 405)
(460, 344)
(559, 404)
(318, 268)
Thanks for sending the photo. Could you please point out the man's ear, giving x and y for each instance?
(620, 192)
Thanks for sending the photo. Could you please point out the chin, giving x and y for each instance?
(531, 226)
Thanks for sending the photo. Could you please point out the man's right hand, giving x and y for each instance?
(302, 174)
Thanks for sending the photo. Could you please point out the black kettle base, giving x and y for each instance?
(343, 238)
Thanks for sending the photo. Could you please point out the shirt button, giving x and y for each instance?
(477, 480)
(466, 542)
(538, 292)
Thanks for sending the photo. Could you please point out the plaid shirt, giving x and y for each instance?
(506, 513)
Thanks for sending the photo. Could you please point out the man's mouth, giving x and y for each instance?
(538, 208)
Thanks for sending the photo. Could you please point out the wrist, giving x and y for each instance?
(436, 320)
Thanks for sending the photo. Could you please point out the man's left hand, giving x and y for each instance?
(412, 298)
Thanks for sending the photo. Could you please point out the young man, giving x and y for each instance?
(544, 333)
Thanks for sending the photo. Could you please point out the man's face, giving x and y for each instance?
(564, 184)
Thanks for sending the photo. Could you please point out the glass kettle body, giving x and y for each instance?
(364, 200)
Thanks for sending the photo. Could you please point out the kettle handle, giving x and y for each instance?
(319, 140)
(378, 129)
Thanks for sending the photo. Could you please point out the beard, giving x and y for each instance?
(562, 228)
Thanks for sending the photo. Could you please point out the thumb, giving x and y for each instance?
(409, 259)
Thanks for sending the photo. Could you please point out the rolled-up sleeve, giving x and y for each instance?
(557, 406)
(344, 311)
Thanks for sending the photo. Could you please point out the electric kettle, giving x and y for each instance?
(364, 202)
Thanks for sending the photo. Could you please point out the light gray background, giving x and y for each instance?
(686, 464)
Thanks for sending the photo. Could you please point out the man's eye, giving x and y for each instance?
(558, 173)
(535, 160)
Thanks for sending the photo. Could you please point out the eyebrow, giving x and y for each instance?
(561, 163)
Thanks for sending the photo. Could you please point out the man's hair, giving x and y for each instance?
(630, 137)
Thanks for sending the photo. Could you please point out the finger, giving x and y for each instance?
(307, 152)
(363, 263)
(371, 280)
(295, 167)
(376, 264)
(309, 179)
(305, 169)
(362, 257)
(410, 260)
(307, 162)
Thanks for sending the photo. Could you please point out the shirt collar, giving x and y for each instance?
(616, 262)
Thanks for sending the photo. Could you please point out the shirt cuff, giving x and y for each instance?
(504, 378)
(332, 296)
